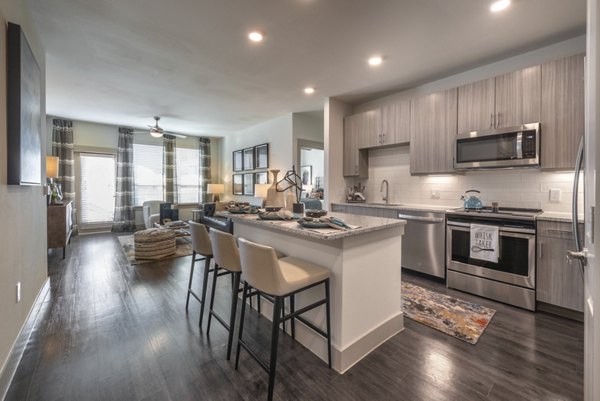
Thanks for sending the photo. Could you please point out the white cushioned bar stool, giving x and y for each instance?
(227, 257)
(201, 246)
(279, 278)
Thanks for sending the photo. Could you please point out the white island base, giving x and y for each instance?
(366, 303)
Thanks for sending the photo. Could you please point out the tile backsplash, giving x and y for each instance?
(526, 188)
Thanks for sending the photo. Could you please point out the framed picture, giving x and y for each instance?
(238, 184)
(249, 184)
(261, 156)
(306, 174)
(248, 159)
(261, 177)
(238, 163)
(24, 105)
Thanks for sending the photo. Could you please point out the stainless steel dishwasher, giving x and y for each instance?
(423, 243)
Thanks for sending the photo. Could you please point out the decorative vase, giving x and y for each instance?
(274, 197)
(298, 208)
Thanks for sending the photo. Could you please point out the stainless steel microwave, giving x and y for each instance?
(500, 148)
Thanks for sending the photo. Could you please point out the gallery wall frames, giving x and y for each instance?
(24, 118)
(246, 160)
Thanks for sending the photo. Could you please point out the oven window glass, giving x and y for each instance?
(513, 253)
(487, 148)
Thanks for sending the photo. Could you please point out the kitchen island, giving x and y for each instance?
(366, 303)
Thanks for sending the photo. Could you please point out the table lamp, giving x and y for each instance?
(260, 191)
(215, 190)
(52, 163)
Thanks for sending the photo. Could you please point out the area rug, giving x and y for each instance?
(461, 319)
(183, 248)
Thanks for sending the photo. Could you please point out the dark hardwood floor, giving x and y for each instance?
(110, 331)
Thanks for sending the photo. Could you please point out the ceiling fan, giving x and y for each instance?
(157, 132)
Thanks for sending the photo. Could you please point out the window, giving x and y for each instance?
(97, 183)
(147, 161)
(188, 172)
(149, 173)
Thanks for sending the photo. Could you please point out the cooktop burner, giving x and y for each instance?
(502, 213)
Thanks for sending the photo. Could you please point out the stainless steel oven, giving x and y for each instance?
(501, 148)
(512, 278)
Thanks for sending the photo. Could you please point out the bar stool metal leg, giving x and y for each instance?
(234, 300)
(277, 306)
(327, 308)
(241, 329)
(292, 310)
(204, 286)
(212, 297)
(187, 301)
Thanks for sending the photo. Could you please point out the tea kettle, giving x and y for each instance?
(472, 201)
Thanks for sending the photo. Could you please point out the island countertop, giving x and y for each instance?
(365, 224)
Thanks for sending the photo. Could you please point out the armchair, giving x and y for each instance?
(151, 211)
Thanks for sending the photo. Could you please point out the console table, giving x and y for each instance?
(60, 226)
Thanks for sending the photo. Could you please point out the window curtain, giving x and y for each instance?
(124, 219)
(204, 164)
(169, 169)
(62, 146)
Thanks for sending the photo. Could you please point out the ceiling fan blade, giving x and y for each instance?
(174, 134)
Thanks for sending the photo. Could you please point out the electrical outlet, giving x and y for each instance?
(435, 194)
(555, 195)
(18, 292)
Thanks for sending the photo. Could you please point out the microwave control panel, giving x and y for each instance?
(529, 145)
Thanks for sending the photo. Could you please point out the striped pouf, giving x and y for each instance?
(154, 243)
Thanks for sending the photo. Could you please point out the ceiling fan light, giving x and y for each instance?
(156, 134)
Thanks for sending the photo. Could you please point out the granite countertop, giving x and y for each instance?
(366, 224)
(403, 206)
(559, 216)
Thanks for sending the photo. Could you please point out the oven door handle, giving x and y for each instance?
(512, 232)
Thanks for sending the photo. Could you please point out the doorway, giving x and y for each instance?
(312, 168)
(96, 192)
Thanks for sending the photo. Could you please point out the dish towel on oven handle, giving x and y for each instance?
(484, 242)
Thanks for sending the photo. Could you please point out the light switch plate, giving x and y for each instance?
(435, 194)
(555, 195)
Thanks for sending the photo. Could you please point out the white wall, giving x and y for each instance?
(519, 188)
(23, 212)
(511, 188)
(278, 133)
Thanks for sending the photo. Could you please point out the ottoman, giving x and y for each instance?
(154, 243)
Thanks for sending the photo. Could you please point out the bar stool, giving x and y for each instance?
(279, 278)
(201, 246)
(227, 257)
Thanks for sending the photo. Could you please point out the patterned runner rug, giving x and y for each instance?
(184, 248)
(461, 319)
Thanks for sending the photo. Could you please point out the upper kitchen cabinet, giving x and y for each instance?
(368, 125)
(562, 111)
(395, 123)
(355, 160)
(504, 101)
(433, 128)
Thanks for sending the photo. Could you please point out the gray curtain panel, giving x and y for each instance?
(169, 169)
(205, 174)
(124, 219)
(62, 146)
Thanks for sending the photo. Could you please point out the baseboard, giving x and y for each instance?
(560, 311)
(12, 362)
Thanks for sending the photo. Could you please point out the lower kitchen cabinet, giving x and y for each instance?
(558, 282)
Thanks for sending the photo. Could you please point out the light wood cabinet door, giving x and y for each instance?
(562, 111)
(476, 106)
(369, 128)
(395, 123)
(433, 127)
(355, 161)
(558, 282)
(518, 97)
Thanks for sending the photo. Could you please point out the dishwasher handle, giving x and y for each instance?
(421, 219)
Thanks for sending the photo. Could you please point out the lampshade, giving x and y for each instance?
(52, 166)
(260, 190)
(215, 188)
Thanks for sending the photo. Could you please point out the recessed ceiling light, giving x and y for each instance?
(499, 5)
(375, 60)
(255, 36)
(309, 90)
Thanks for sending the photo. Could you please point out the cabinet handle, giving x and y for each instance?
(498, 120)
(491, 120)
(540, 254)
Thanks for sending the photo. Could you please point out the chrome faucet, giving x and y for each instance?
(385, 195)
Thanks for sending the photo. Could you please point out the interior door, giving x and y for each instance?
(592, 270)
